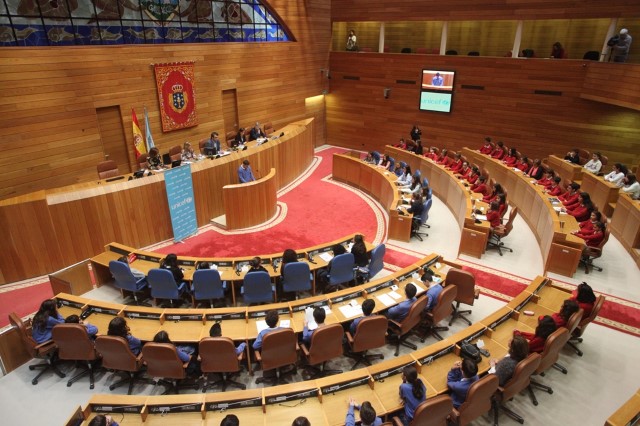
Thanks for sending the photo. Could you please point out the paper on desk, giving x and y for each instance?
(557, 209)
(394, 295)
(326, 256)
(213, 266)
(517, 170)
(481, 216)
(308, 316)
(262, 324)
(385, 299)
(245, 268)
(351, 311)
(419, 287)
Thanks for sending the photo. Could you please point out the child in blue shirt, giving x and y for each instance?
(460, 379)
(45, 319)
(412, 392)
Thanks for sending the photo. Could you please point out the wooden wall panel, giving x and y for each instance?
(49, 132)
(503, 104)
(457, 10)
(616, 85)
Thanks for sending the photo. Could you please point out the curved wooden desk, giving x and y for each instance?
(250, 204)
(378, 183)
(560, 249)
(451, 191)
(625, 225)
(49, 230)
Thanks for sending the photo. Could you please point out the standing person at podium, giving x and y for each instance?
(244, 172)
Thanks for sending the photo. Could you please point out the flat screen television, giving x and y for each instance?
(436, 90)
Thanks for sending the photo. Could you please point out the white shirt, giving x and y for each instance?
(615, 178)
(405, 179)
(593, 166)
(633, 190)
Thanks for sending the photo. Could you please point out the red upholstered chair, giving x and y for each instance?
(45, 351)
(479, 400)
(175, 153)
(370, 334)
(74, 344)
(548, 359)
(467, 292)
(326, 344)
(218, 355)
(432, 412)
(519, 381)
(591, 253)
(576, 335)
(142, 161)
(268, 128)
(107, 169)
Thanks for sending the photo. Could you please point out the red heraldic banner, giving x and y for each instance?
(176, 95)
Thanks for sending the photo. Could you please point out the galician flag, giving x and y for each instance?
(138, 142)
(147, 131)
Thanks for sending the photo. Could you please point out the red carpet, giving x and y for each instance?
(24, 301)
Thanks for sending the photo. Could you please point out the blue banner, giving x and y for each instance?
(182, 206)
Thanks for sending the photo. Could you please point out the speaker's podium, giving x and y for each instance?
(249, 204)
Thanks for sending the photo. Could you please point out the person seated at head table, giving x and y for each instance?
(212, 145)
(412, 393)
(571, 195)
(523, 164)
(368, 416)
(493, 215)
(216, 331)
(555, 189)
(271, 319)
(586, 226)
(504, 368)
(573, 156)
(459, 380)
(138, 275)
(417, 149)
(456, 165)
(319, 315)
(502, 204)
(102, 420)
(586, 298)
(582, 209)
(154, 161)
(359, 251)
(401, 310)
(432, 154)
(465, 170)
(406, 178)
(443, 158)
(536, 170)
(595, 164)
(495, 190)
(187, 152)
(301, 421)
(230, 420)
(568, 308)
(92, 330)
(480, 186)
(512, 157)
(594, 237)
(367, 309)
(118, 327)
(499, 152)
(546, 326)
(473, 176)
(401, 143)
(631, 186)
(433, 290)
(256, 132)
(171, 263)
(239, 139)
(547, 178)
(617, 175)
(487, 148)
(44, 320)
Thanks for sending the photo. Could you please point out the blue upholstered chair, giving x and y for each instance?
(421, 221)
(341, 270)
(125, 281)
(297, 277)
(392, 164)
(206, 285)
(376, 156)
(164, 286)
(257, 287)
(376, 264)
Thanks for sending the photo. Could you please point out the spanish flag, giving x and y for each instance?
(138, 141)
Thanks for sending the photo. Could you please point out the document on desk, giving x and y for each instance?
(262, 324)
(326, 256)
(350, 311)
(385, 299)
(554, 200)
(419, 287)
(308, 315)
(481, 216)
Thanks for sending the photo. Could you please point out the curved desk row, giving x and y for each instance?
(230, 268)
(250, 204)
(451, 191)
(625, 225)
(325, 400)
(48, 230)
(561, 251)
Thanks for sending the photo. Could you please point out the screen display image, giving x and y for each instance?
(436, 90)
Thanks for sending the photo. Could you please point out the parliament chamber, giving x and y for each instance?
(67, 108)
